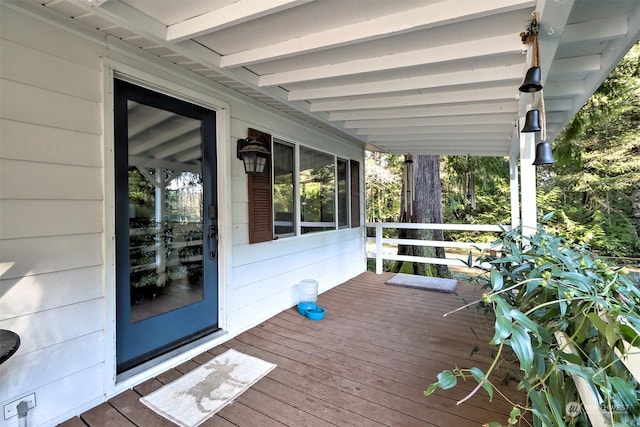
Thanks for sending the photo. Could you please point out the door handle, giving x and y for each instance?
(213, 241)
(213, 232)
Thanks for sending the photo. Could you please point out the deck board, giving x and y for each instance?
(366, 364)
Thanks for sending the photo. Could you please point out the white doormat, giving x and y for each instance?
(437, 284)
(193, 398)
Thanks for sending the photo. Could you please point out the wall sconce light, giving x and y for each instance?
(253, 153)
(535, 121)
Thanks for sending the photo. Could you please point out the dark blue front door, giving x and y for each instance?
(166, 223)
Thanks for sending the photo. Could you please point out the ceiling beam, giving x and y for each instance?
(575, 66)
(564, 88)
(552, 17)
(453, 110)
(474, 95)
(558, 104)
(420, 18)
(600, 30)
(421, 130)
(449, 150)
(235, 13)
(479, 48)
(478, 119)
(509, 73)
(461, 146)
(472, 136)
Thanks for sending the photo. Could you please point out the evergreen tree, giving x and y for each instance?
(596, 181)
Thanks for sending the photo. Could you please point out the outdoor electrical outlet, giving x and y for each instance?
(11, 409)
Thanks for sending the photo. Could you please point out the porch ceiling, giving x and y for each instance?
(410, 76)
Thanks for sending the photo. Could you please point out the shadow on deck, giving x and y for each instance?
(367, 363)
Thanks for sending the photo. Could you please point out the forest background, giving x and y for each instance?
(594, 188)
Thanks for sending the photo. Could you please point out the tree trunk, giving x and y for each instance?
(427, 208)
(421, 203)
(405, 210)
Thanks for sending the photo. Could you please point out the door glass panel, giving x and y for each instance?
(165, 187)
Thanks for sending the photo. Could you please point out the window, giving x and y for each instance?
(343, 196)
(302, 191)
(317, 191)
(283, 189)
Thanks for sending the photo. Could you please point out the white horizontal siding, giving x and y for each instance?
(34, 369)
(51, 221)
(38, 35)
(48, 144)
(39, 218)
(31, 294)
(295, 249)
(26, 257)
(25, 66)
(326, 270)
(43, 328)
(40, 106)
(48, 181)
(60, 400)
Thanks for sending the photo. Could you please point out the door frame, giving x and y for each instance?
(191, 90)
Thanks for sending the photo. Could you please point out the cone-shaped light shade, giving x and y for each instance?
(531, 81)
(544, 156)
(532, 121)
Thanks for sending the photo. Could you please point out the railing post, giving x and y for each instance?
(378, 248)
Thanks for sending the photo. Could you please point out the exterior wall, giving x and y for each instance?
(56, 180)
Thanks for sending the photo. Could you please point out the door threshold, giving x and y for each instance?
(168, 360)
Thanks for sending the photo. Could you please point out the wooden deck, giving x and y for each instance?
(367, 363)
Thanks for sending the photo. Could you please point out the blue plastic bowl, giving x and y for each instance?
(306, 305)
(316, 313)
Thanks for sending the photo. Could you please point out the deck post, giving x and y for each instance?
(379, 248)
(528, 209)
(514, 184)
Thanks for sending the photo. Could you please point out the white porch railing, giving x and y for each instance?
(379, 254)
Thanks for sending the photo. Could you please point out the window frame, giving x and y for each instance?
(294, 192)
(347, 193)
(351, 199)
(334, 222)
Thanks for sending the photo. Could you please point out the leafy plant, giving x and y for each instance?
(539, 289)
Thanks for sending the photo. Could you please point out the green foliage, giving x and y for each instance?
(563, 313)
(598, 167)
(383, 186)
(486, 198)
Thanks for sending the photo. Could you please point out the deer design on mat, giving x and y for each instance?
(211, 387)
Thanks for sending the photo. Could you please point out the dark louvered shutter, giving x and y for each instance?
(260, 199)
(355, 193)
